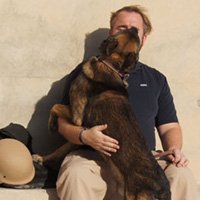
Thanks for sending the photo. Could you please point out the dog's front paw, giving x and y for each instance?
(38, 159)
(77, 121)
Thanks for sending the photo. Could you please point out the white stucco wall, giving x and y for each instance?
(43, 40)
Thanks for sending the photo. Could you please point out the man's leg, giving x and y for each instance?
(182, 183)
(80, 177)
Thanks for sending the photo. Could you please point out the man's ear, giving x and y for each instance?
(108, 45)
(144, 38)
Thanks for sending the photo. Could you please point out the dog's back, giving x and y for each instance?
(142, 174)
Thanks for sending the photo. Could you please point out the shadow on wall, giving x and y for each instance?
(43, 141)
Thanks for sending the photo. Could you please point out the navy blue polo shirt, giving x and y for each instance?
(149, 96)
(151, 100)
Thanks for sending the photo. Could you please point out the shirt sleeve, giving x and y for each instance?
(166, 108)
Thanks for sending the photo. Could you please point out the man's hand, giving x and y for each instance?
(178, 158)
(99, 141)
(171, 138)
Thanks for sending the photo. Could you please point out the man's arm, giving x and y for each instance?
(92, 136)
(171, 138)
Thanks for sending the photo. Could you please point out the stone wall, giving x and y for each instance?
(41, 41)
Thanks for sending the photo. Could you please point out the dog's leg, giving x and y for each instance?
(77, 108)
(114, 180)
(55, 159)
(79, 94)
(58, 110)
(60, 153)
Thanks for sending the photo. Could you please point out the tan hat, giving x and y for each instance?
(16, 164)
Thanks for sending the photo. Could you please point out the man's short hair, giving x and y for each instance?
(137, 9)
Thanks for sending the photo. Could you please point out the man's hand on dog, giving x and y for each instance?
(95, 138)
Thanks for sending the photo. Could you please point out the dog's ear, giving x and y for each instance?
(108, 45)
(89, 66)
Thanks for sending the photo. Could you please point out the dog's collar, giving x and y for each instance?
(124, 77)
(108, 64)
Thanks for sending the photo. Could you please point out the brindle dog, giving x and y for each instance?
(99, 96)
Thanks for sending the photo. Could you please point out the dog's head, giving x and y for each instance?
(121, 50)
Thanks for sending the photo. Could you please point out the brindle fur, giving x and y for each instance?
(98, 96)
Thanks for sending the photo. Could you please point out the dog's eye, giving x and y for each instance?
(108, 45)
(115, 44)
(112, 44)
(130, 55)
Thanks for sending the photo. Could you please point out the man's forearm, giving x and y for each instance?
(171, 136)
(69, 131)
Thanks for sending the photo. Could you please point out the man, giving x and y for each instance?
(80, 177)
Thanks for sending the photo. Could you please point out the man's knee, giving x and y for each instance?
(182, 174)
(82, 174)
(72, 169)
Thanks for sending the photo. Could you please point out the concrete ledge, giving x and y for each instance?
(28, 194)
(33, 194)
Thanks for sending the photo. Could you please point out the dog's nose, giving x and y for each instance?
(133, 31)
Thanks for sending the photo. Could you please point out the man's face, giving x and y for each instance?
(127, 20)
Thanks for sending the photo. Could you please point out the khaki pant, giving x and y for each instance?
(81, 178)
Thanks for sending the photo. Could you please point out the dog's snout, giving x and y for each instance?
(133, 31)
